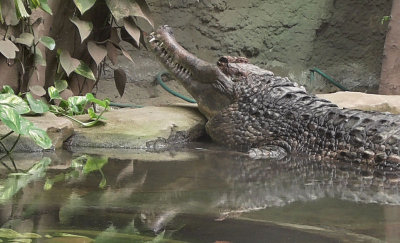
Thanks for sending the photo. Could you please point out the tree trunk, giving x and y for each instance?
(390, 74)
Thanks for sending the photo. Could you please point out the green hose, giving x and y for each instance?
(329, 78)
(161, 82)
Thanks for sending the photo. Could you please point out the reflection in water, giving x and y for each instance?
(172, 193)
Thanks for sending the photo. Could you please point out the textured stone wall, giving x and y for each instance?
(342, 37)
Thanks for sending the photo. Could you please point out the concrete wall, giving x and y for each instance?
(342, 37)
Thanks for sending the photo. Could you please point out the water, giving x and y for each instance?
(201, 193)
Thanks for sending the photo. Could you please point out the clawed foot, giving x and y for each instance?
(268, 152)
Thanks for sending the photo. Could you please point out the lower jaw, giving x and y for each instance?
(167, 59)
(174, 69)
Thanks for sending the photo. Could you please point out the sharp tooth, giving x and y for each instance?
(152, 39)
(161, 44)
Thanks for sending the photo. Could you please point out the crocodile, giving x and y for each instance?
(251, 110)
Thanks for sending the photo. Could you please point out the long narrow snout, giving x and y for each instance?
(181, 62)
(211, 88)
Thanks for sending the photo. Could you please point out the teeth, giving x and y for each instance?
(152, 39)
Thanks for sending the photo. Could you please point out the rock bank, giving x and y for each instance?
(158, 128)
(366, 102)
(145, 128)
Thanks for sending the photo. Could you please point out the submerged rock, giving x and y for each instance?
(363, 101)
(153, 128)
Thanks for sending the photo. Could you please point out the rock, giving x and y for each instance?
(153, 128)
(366, 102)
(58, 129)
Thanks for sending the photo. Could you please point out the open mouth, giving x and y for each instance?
(166, 53)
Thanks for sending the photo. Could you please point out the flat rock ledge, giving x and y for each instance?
(151, 128)
(363, 101)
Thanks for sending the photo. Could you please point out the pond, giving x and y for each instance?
(200, 193)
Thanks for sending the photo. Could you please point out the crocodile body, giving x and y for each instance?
(252, 110)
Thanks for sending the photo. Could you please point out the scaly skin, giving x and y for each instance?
(251, 110)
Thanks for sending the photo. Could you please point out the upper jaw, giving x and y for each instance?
(183, 64)
(171, 54)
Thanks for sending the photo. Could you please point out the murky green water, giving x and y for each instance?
(195, 194)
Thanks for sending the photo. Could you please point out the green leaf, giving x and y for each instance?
(132, 29)
(94, 164)
(68, 63)
(14, 184)
(77, 104)
(7, 90)
(53, 93)
(127, 8)
(61, 85)
(77, 100)
(25, 39)
(9, 12)
(37, 90)
(64, 104)
(26, 125)
(1, 15)
(103, 103)
(385, 19)
(21, 9)
(14, 102)
(48, 42)
(103, 182)
(40, 137)
(8, 48)
(9, 234)
(91, 113)
(45, 6)
(37, 106)
(39, 60)
(34, 4)
(48, 184)
(84, 5)
(11, 118)
(98, 52)
(84, 27)
(85, 71)
(56, 109)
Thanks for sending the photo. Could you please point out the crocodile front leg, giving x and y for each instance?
(243, 132)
